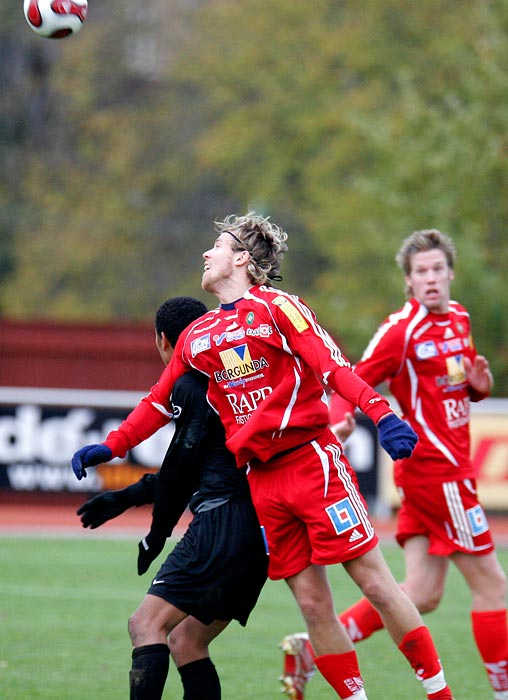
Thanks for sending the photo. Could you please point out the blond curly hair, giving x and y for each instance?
(264, 241)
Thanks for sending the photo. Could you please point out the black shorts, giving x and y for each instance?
(218, 568)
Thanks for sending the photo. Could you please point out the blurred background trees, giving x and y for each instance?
(350, 124)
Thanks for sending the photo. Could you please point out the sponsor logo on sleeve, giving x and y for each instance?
(289, 310)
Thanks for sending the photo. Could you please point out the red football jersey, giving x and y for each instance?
(267, 359)
(421, 356)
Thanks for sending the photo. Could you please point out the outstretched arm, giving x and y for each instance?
(110, 504)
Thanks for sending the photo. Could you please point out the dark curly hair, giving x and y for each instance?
(175, 314)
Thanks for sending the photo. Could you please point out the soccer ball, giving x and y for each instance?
(55, 19)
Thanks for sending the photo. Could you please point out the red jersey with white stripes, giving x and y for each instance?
(267, 359)
(421, 356)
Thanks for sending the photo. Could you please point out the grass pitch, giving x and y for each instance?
(64, 605)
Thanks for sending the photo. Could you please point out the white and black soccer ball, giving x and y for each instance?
(55, 19)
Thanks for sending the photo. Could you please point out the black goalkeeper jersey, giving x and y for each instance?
(198, 470)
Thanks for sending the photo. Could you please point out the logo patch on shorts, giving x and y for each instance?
(477, 520)
(343, 516)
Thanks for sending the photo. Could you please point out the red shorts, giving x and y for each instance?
(449, 514)
(310, 508)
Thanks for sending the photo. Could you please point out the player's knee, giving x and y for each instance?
(499, 581)
(132, 628)
(490, 594)
(184, 649)
(182, 644)
(139, 628)
(377, 594)
(426, 599)
(314, 609)
(428, 604)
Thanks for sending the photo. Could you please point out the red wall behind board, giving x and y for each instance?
(117, 356)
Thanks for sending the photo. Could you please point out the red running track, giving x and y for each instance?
(49, 515)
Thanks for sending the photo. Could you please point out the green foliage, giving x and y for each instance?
(64, 605)
(351, 124)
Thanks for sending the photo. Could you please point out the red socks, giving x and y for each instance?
(361, 620)
(418, 648)
(490, 630)
(342, 673)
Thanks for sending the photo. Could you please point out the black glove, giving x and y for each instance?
(396, 436)
(106, 506)
(149, 549)
(89, 456)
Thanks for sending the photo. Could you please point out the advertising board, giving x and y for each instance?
(40, 429)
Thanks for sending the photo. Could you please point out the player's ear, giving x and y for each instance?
(242, 257)
(165, 342)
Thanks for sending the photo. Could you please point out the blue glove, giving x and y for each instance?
(89, 456)
(396, 436)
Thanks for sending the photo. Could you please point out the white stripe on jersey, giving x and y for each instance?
(392, 321)
(159, 407)
(294, 394)
(319, 331)
(325, 464)
(206, 324)
(287, 412)
(416, 404)
(452, 308)
(383, 329)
